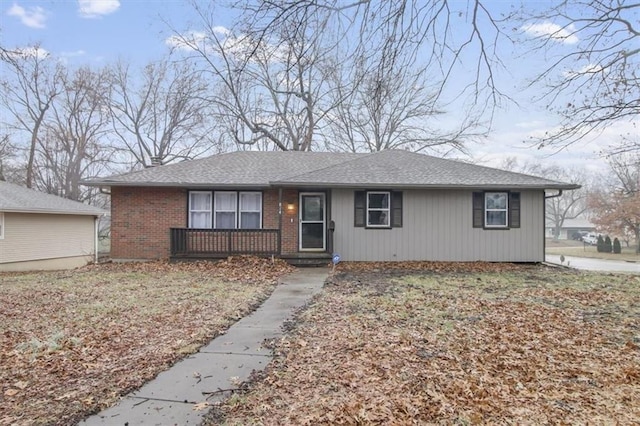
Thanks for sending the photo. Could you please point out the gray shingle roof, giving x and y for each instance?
(389, 169)
(16, 198)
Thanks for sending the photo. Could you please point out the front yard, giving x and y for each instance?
(72, 342)
(455, 344)
(580, 249)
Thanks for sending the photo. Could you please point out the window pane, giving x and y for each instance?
(378, 201)
(226, 201)
(225, 220)
(200, 201)
(378, 217)
(250, 220)
(250, 201)
(200, 219)
(497, 218)
(312, 235)
(312, 208)
(496, 200)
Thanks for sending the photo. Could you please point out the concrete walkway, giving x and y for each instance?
(219, 367)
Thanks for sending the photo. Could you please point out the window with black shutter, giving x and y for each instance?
(378, 209)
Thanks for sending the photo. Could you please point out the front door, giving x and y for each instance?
(312, 221)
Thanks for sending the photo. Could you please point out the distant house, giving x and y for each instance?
(571, 228)
(384, 206)
(41, 231)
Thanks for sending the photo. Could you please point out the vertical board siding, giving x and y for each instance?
(438, 226)
(35, 236)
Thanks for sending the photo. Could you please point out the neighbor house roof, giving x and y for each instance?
(389, 169)
(18, 199)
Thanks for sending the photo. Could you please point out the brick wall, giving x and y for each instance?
(141, 218)
(289, 220)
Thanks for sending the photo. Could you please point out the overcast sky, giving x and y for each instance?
(102, 31)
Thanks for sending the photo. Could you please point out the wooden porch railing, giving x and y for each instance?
(187, 242)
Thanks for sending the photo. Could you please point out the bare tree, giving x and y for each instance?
(388, 105)
(592, 80)
(29, 86)
(271, 92)
(616, 206)
(440, 33)
(74, 144)
(570, 204)
(160, 115)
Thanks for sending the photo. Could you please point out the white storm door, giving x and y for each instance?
(312, 217)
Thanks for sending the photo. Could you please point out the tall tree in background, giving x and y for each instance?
(594, 47)
(571, 204)
(591, 82)
(616, 206)
(28, 87)
(74, 145)
(161, 113)
(271, 92)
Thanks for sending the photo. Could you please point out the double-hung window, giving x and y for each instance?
(250, 210)
(200, 209)
(496, 208)
(225, 206)
(378, 209)
(225, 209)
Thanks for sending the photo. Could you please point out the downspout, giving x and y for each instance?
(544, 218)
(95, 239)
(280, 221)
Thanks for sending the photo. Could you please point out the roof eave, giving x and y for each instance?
(52, 211)
(421, 186)
(190, 185)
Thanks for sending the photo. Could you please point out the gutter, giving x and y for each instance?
(548, 197)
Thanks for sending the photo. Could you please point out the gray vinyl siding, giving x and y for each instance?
(437, 225)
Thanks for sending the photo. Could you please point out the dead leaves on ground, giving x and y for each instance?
(499, 344)
(73, 342)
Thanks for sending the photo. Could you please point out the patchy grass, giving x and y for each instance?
(73, 342)
(473, 344)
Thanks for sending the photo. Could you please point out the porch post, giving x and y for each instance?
(280, 221)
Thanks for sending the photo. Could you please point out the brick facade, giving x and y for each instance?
(141, 218)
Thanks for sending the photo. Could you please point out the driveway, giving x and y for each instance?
(595, 264)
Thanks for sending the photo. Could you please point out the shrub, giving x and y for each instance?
(600, 244)
(617, 248)
(607, 244)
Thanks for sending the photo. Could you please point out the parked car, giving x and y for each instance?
(578, 236)
(591, 239)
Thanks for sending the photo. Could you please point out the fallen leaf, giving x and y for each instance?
(11, 392)
(201, 406)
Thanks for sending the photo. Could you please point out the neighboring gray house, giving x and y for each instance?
(571, 228)
(384, 206)
(41, 231)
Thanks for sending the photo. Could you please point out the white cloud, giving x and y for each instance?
(29, 52)
(587, 69)
(33, 17)
(97, 8)
(553, 31)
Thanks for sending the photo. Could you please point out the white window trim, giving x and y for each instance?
(240, 211)
(1, 225)
(505, 210)
(388, 210)
(210, 210)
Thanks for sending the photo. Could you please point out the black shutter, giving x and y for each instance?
(514, 210)
(396, 209)
(478, 210)
(360, 209)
